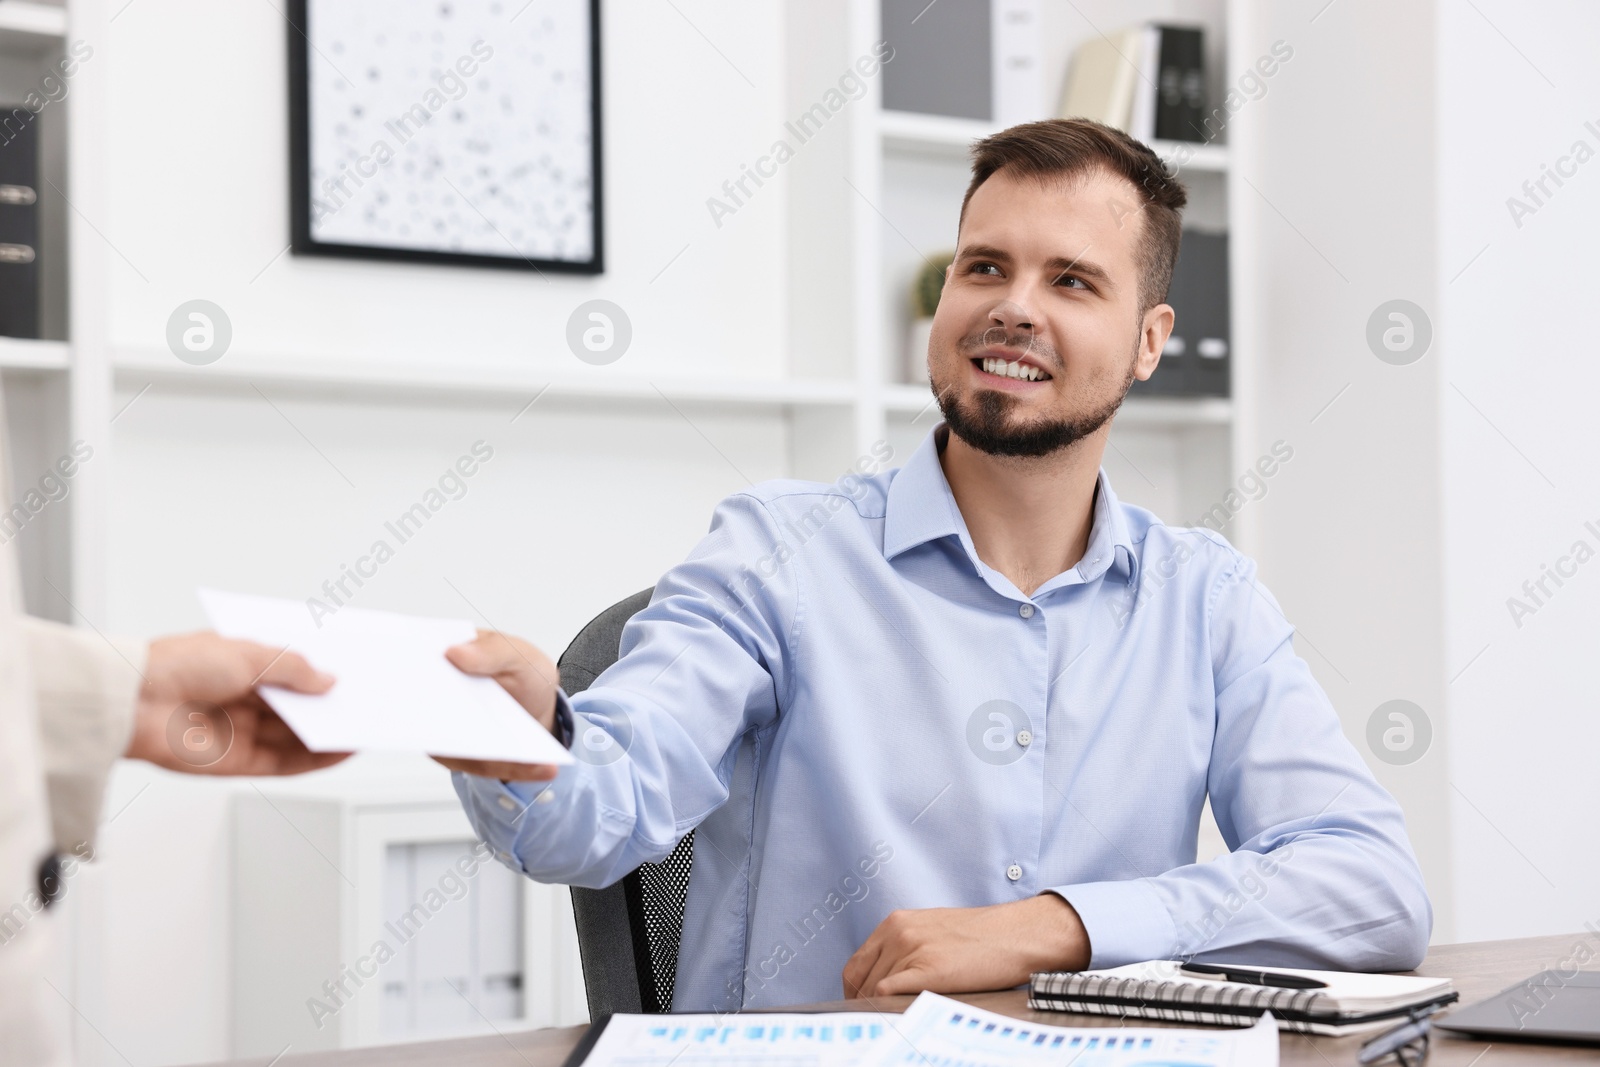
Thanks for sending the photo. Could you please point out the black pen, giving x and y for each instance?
(1250, 976)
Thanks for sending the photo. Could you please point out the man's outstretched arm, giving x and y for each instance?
(699, 667)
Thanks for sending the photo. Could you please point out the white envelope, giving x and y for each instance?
(395, 690)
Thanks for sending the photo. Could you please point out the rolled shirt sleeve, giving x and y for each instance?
(700, 666)
(1320, 871)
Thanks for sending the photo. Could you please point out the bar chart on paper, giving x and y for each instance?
(840, 1039)
(934, 1031)
(939, 1032)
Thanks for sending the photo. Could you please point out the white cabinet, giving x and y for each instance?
(369, 914)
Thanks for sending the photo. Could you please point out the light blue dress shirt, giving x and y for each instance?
(857, 715)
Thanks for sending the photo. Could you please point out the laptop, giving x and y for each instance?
(1550, 1006)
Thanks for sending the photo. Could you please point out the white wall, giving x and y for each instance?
(1425, 496)
(1351, 527)
(201, 201)
(1517, 399)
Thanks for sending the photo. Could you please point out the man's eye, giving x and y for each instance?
(983, 268)
(1072, 281)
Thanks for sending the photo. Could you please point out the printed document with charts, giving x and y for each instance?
(935, 1031)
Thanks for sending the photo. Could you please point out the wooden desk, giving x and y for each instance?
(1480, 970)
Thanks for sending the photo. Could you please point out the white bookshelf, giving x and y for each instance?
(30, 29)
(36, 373)
(19, 354)
(907, 132)
(480, 381)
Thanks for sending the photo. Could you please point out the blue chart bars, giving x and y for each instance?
(934, 1032)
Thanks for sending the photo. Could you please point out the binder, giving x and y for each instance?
(1141, 125)
(943, 58)
(1199, 296)
(19, 225)
(1147, 80)
(1197, 360)
(1100, 82)
(974, 59)
(1180, 104)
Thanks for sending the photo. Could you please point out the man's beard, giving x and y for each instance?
(985, 423)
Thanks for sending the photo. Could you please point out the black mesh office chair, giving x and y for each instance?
(628, 933)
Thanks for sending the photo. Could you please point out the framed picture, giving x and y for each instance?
(447, 131)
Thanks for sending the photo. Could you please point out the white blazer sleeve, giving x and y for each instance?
(87, 687)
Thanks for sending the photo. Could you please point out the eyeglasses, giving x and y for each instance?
(1407, 1042)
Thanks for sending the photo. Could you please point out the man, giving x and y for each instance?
(71, 703)
(963, 728)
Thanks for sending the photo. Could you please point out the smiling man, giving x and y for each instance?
(947, 741)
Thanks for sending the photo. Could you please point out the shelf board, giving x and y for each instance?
(375, 381)
(910, 133)
(18, 353)
(477, 382)
(28, 29)
(1183, 156)
(1174, 411)
(938, 135)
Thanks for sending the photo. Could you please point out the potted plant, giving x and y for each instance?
(925, 290)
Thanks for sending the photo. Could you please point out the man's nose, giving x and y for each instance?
(1007, 317)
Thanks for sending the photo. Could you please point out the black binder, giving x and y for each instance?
(1181, 85)
(19, 222)
(1200, 297)
(1198, 358)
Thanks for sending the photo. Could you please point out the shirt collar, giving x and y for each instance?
(921, 508)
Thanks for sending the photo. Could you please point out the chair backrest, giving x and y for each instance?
(628, 933)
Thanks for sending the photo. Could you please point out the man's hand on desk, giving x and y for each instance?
(524, 672)
(968, 950)
(198, 710)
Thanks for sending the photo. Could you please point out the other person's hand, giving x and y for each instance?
(529, 676)
(968, 950)
(198, 710)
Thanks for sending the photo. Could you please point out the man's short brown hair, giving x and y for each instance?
(1062, 149)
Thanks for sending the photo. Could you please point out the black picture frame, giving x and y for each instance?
(301, 241)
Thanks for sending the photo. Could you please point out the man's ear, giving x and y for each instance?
(1153, 334)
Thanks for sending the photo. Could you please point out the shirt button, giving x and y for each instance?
(1024, 738)
(1014, 872)
(1026, 611)
(506, 802)
(546, 796)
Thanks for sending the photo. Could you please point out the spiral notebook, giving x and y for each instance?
(1348, 1004)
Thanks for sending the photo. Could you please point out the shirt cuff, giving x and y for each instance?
(563, 726)
(500, 809)
(1126, 921)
